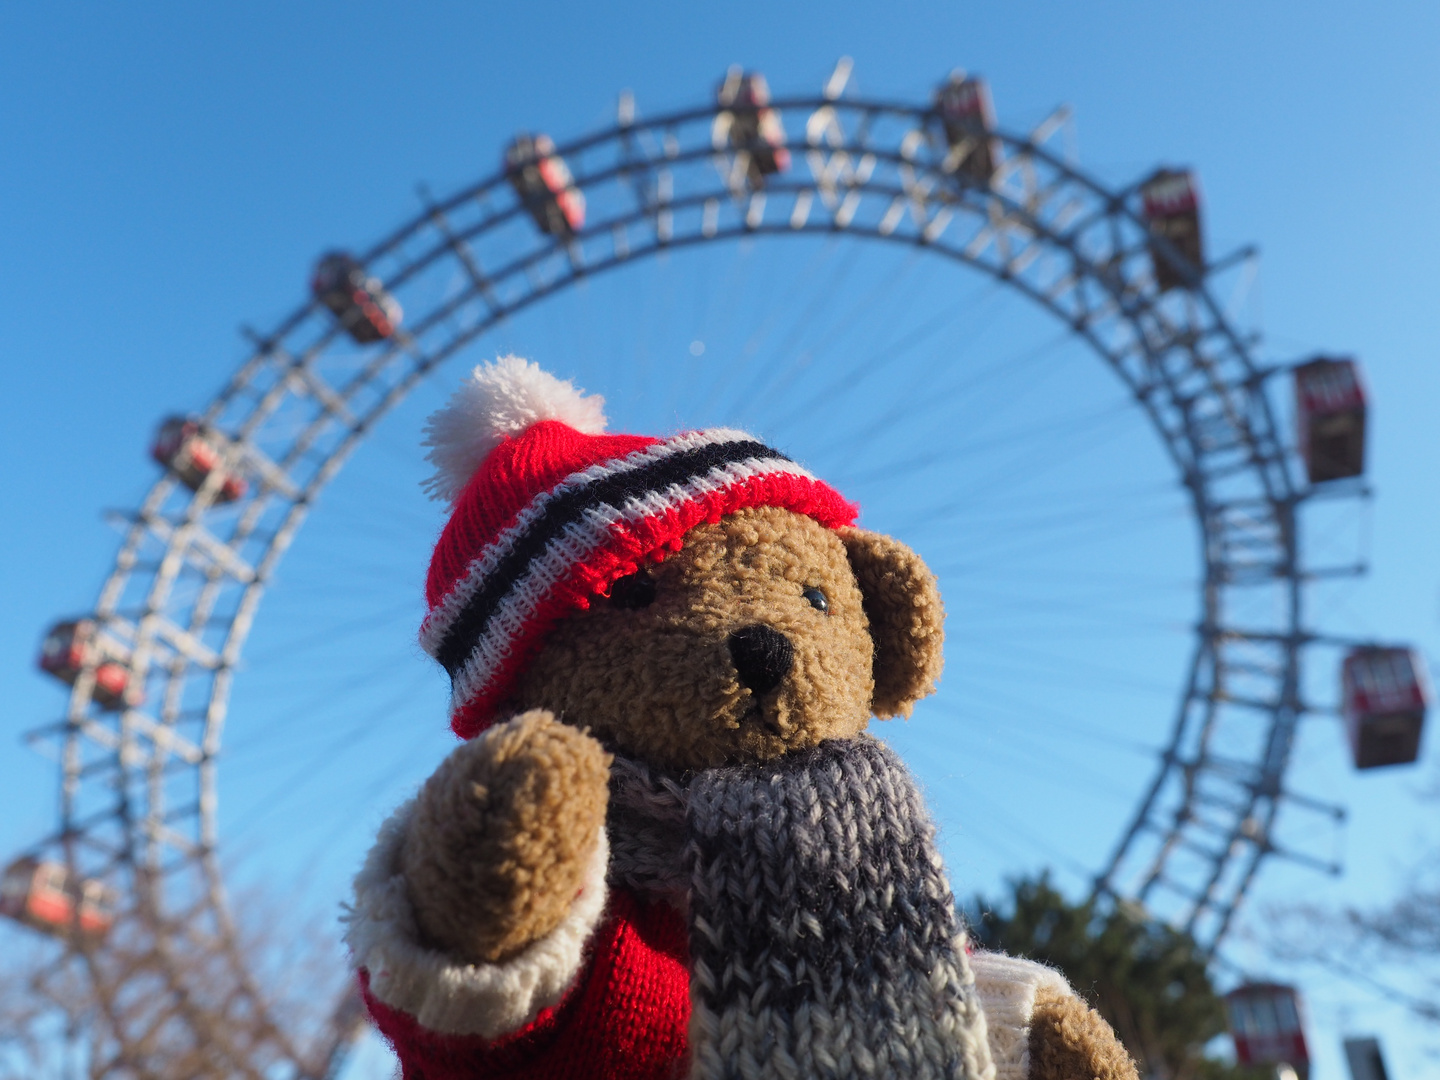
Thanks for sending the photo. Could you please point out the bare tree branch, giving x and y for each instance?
(60, 1010)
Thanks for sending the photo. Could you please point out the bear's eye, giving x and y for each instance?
(816, 598)
(634, 591)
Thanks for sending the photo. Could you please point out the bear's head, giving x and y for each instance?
(693, 601)
(766, 632)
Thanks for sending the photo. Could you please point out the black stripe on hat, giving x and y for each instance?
(568, 507)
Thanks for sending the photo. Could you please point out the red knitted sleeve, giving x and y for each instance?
(626, 1018)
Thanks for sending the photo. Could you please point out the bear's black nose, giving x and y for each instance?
(762, 656)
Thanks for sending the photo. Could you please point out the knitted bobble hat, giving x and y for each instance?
(548, 510)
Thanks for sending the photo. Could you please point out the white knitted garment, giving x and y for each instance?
(1007, 987)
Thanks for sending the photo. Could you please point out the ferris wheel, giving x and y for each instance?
(133, 871)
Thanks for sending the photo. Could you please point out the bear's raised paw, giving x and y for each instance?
(502, 834)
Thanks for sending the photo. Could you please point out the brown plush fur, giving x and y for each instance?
(907, 619)
(503, 831)
(1070, 1041)
(659, 682)
(501, 835)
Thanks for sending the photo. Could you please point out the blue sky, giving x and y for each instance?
(171, 173)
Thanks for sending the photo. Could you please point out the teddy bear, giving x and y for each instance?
(668, 845)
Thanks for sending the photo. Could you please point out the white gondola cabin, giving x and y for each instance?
(1265, 1022)
(1330, 418)
(1384, 695)
(191, 450)
(69, 647)
(360, 303)
(39, 893)
(749, 126)
(967, 118)
(545, 185)
(1170, 201)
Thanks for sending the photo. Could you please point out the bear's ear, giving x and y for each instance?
(902, 602)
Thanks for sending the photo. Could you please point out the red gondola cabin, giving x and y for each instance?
(545, 186)
(359, 301)
(1330, 418)
(1266, 1025)
(70, 646)
(38, 893)
(968, 119)
(1170, 201)
(191, 450)
(1384, 695)
(754, 127)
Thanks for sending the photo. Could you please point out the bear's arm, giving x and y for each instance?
(481, 929)
(624, 1010)
(443, 992)
(1040, 1029)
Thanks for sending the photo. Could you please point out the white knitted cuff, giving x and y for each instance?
(442, 993)
(1007, 986)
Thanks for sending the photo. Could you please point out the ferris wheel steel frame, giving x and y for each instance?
(138, 786)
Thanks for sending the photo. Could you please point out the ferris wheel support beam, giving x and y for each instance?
(190, 574)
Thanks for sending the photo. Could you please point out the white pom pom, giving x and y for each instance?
(499, 399)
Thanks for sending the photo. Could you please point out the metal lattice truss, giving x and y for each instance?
(139, 785)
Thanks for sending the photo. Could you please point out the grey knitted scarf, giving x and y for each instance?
(823, 935)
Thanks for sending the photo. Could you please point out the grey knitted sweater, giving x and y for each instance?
(823, 935)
